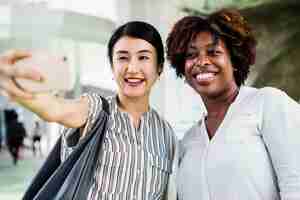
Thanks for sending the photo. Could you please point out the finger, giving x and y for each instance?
(12, 90)
(21, 72)
(26, 72)
(16, 92)
(14, 55)
(6, 69)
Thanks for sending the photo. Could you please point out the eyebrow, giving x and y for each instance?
(140, 51)
(122, 52)
(210, 45)
(145, 51)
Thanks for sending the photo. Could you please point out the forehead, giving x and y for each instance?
(132, 45)
(205, 39)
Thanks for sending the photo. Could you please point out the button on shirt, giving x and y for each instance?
(134, 163)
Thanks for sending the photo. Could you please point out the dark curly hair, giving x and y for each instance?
(226, 24)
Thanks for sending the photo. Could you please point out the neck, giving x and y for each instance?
(217, 106)
(134, 106)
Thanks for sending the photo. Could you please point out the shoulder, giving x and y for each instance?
(110, 99)
(161, 119)
(98, 103)
(166, 126)
(271, 92)
(275, 103)
(266, 96)
(274, 97)
(94, 100)
(248, 93)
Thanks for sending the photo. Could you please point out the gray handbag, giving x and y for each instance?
(72, 179)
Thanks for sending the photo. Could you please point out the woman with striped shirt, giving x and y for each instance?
(136, 158)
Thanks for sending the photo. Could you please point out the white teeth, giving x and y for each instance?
(204, 76)
(133, 80)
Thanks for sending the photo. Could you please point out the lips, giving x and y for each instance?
(204, 77)
(134, 81)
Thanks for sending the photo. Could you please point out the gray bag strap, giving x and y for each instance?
(72, 179)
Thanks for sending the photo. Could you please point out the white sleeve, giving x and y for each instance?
(281, 134)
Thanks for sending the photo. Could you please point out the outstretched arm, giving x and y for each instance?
(70, 113)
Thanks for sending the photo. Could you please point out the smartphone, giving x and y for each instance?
(57, 72)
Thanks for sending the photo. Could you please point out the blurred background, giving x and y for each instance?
(80, 30)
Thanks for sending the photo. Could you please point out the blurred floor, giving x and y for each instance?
(14, 179)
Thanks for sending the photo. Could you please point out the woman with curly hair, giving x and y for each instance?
(247, 144)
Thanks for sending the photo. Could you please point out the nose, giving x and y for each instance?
(133, 67)
(203, 60)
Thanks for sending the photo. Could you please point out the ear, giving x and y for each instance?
(160, 69)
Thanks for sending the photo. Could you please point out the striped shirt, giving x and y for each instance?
(134, 163)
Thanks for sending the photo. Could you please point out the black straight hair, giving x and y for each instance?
(139, 30)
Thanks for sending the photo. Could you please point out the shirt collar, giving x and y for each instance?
(115, 109)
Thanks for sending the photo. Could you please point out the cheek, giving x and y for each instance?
(118, 68)
(188, 66)
(225, 62)
(117, 74)
(152, 75)
(151, 70)
(229, 69)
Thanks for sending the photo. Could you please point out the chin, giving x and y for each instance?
(134, 94)
(207, 91)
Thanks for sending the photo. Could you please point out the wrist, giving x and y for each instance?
(76, 112)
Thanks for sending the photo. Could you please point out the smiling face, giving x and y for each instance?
(134, 66)
(208, 68)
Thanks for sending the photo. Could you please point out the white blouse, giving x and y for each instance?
(254, 155)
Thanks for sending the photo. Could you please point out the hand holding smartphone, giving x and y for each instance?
(58, 74)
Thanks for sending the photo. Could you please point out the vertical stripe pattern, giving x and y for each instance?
(134, 163)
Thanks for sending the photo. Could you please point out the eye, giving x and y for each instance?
(122, 58)
(214, 52)
(190, 55)
(144, 58)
